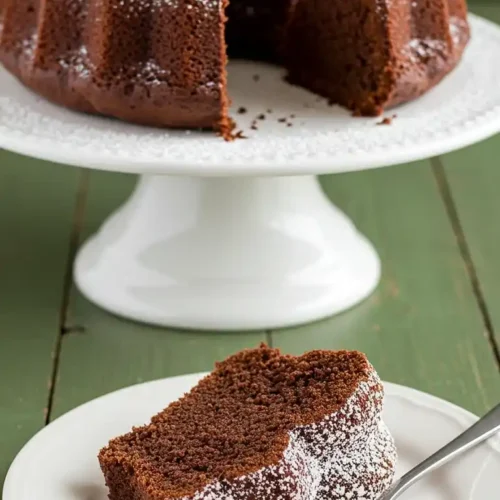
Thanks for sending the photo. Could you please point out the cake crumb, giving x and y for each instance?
(230, 136)
(240, 135)
(242, 110)
(262, 116)
(282, 120)
(387, 120)
(256, 78)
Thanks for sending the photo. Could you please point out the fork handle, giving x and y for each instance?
(479, 432)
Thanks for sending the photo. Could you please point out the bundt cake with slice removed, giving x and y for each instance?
(163, 62)
(263, 425)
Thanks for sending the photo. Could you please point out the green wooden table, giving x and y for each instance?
(433, 324)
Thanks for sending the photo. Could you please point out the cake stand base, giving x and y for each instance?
(227, 254)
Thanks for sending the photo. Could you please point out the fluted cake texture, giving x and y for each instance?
(263, 426)
(162, 62)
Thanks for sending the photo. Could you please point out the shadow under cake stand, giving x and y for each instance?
(239, 236)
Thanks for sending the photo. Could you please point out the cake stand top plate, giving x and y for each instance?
(462, 110)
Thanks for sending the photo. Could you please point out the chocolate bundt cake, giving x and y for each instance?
(263, 426)
(162, 62)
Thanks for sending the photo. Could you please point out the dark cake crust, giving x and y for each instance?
(263, 425)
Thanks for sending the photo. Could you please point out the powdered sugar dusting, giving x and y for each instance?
(422, 49)
(152, 5)
(348, 455)
(458, 29)
(147, 72)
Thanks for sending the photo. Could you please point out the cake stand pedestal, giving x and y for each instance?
(227, 253)
(238, 236)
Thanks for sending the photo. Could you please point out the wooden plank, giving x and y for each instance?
(485, 8)
(102, 352)
(36, 210)
(473, 176)
(422, 327)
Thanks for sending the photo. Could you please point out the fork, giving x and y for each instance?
(479, 432)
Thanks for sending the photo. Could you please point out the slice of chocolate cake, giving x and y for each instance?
(263, 426)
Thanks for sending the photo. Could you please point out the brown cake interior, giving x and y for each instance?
(340, 50)
(234, 422)
(255, 28)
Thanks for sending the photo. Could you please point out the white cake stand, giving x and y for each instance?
(240, 236)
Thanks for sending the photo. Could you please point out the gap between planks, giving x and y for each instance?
(452, 212)
(74, 241)
(269, 338)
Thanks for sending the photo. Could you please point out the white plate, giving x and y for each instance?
(463, 109)
(60, 462)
